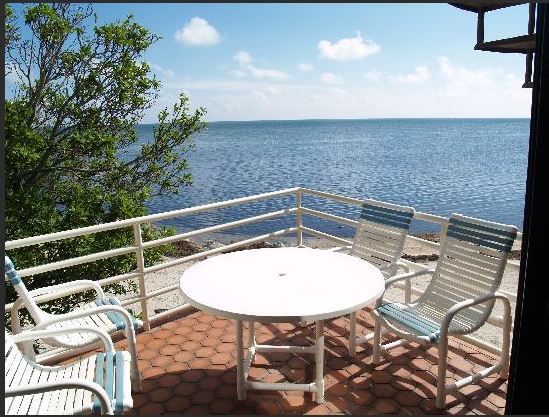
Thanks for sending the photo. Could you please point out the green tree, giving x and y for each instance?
(71, 154)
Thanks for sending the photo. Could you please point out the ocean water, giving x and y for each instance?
(475, 167)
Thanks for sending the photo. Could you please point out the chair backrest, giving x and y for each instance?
(471, 264)
(14, 360)
(381, 234)
(13, 277)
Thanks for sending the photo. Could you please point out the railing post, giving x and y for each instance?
(298, 233)
(141, 269)
(443, 230)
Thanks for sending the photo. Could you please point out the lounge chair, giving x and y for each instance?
(99, 383)
(104, 313)
(379, 239)
(459, 298)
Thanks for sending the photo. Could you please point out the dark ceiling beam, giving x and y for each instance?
(484, 5)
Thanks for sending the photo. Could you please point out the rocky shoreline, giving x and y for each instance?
(187, 247)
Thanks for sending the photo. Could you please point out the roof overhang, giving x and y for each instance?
(484, 5)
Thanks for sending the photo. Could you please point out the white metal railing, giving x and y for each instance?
(141, 271)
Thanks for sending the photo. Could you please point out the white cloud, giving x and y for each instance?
(330, 78)
(267, 73)
(419, 75)
(305, 67)
(463, 78)
(164, 72)
(197, 32)
(461, 82)
(246, 69)
(455, 91)
(247, 99)
(239, 73)
(242, 57)
(373, 76)
(348, 48)
(484, 92)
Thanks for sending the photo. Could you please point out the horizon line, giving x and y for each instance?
(358, 119)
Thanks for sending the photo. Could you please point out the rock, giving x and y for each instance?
(431, 237)
(186, 248)
(258, 245)
(212, 244)
(420, 258)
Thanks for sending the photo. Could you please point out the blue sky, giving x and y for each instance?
(295, 61)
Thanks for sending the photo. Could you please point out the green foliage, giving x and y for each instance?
(9, 25)
(71, 157)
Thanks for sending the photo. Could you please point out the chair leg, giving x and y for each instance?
(135, 375)
(407, 292)
(504, 373)
(377, 343)
(251, 337)
(240, 376)
(352, 334)
(319, 362)
(442, 365)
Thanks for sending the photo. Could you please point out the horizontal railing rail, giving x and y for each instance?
(141, 272)
(151, 218)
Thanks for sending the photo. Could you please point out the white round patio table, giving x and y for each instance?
(281, 285)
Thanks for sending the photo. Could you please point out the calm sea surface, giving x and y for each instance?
(476, 167)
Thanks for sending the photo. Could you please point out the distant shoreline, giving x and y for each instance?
(353, 119)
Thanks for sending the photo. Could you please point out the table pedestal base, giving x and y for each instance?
(243, 365)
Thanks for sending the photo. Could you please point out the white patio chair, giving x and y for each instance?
(379, 239)
(104, 313)
(459, 298)
(99, 383)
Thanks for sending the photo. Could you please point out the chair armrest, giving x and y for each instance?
(67, 288)
(397, 265)
(44, 294)
(126, 317)
(39, 334)
(445, 323)
(402, 265)
(77, 383)
(408, 275)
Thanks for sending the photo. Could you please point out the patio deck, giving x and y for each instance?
(189, 367)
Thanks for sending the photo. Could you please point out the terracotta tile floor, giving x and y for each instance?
(189, 367)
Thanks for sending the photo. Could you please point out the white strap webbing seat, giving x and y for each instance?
(105, 313)
(459, 298)
(379, 239)
(99, 383)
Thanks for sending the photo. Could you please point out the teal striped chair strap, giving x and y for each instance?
(11, 273)
(410, 319)
(109, 373)
(501, 240)
(386, 216)
(113, 316)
